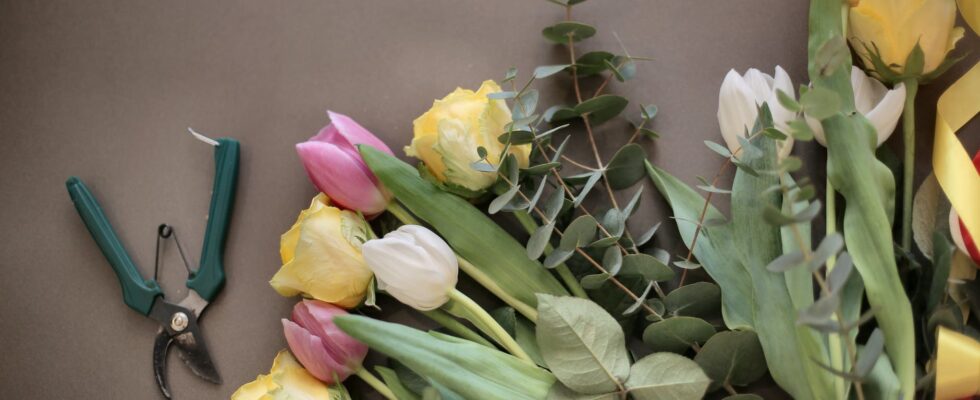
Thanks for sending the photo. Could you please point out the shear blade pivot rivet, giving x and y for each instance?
(179, 321)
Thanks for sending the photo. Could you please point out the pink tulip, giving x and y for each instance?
(325, 351)
(335, 166)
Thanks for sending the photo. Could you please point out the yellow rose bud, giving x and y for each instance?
(287, 380)
(895, 26)
(448, 135)
(321, 256)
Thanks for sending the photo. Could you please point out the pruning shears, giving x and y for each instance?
(178, 320)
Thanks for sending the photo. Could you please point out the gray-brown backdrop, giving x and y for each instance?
(105, 89)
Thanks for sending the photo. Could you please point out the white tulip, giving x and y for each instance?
(739, 101)
(879, 105)
(414, 265)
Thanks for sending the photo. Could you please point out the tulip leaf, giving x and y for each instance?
(666, 376)
(626, 167)
(592, 63)
(699, 299)
(582, 344)
(832, 54)
(545, 71)
(391, 380)
(820, 103)
(501, 261)
(602, 108)
(563, 31)
(469, 369)
(733, 357)
(677, 334)
(714, 247)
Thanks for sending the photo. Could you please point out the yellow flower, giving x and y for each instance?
(321, 256)
(287, 380)
(448, 135)
(895, 26)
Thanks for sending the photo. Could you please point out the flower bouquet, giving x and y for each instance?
(592, 308)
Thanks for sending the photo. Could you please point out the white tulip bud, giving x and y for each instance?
(879, 105)
(414, 265)
(739, 100)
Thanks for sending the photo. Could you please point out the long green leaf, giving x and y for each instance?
(789, 349)
(868, 188)
(474, 371)
(472, 234)
(713, 249)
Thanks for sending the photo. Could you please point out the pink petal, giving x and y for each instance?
(356, 134)
(317, 317)
(310, 352)
(342, 176)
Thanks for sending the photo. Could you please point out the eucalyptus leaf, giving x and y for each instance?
(560, 113)
(699, 299)
(733, 357)
(651, 268)
(820, 103)
(562, 392)
(545, 71)
(579, 233)
(626, 167)
(592, 63)
(582, 344)
(500, 201)
(602, 108)
(539, 240)
(869, 354)
(717, 148)
(646, 236)
(638, 302)
(677, 334)
(594, 281)
(666, 376)
(563, 31)
(516, 137)
(612, 260)
(589, 184)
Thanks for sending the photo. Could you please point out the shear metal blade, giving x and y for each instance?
(194, 353)
(160, 346)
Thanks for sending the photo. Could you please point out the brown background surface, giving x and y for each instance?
(105, 90)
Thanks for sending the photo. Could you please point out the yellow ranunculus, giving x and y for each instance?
(448, 135)
(287, 380)
(895, 26)
(321, 256)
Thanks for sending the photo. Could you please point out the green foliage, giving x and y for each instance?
(732, 357)
(602, 108)
(626, 167)
(582, 344)
(677, 334)
(563, 31)
(464, 367)
(665, 376)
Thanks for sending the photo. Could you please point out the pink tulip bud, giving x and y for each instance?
(325, 351)
(335, 166)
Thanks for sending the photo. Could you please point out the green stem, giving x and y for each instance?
(454, 326)
(479, 276)
(376, 383)
(563, 272)
(496, 331)
(834, 341)
(908, 174)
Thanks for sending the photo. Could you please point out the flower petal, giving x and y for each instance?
(885, 115)
(355, 134)
(736, 109)
(343, 176)
(311, 352)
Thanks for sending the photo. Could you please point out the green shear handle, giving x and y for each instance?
(210, 277)
(138, 293)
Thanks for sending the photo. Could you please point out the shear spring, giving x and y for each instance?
(165, 232)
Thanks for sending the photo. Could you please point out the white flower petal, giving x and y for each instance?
(885, 115)
(736, 109)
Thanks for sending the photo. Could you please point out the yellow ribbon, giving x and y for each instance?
(953, 167)
(957, 365)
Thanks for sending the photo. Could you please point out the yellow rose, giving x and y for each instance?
(287, 380)
(321, 256)
(448, 135)
(895, 26)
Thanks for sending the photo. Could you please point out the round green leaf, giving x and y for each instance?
(602, 108)
(677, 334)
(699, 299)
(733, 356)
(650, 267)
(592, 63)
(666, 376)
(560, 32)
(626, 167)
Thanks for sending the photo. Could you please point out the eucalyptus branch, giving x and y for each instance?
(824, 290)
(598, 266)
